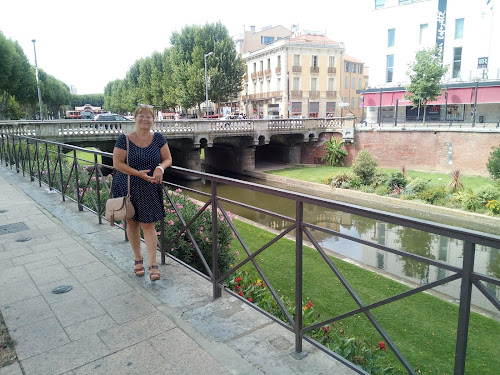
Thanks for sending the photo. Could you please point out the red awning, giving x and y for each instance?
(455, 96)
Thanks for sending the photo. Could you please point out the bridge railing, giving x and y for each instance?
(44, 161)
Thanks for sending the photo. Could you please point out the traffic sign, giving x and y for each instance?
(482, 63)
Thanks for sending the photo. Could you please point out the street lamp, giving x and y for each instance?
(288, 93)
(38, 82)
(206, 78)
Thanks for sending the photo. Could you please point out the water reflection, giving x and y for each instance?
(425, 244)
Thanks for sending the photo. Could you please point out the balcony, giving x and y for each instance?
(254, 76)
(331, 94)
(332, 69)
(267, 72)
(315, 69)
(296, 93)
(314, 94)
(278, 70)
(296, 69)
(260, 74)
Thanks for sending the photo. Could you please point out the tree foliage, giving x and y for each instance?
(335, 152)
(176, 77)
(425, 74)
(493, 164)
(95, 100)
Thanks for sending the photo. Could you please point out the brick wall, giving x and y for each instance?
(440, 151)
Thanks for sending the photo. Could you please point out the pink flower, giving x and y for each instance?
(170, 222)
(228, 246)
(178, 190)
(158, 233)
(237, 252)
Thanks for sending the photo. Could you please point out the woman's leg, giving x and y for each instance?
(134, 237)
(151, 240)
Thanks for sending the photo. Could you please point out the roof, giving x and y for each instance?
(314, 39)
(352, 59)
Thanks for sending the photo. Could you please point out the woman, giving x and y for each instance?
(148, 158)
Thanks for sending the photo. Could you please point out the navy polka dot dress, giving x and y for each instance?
(146, 197)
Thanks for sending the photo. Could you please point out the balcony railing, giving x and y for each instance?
(260, 74)
(267, 72)
(332, 69)
(296, 69)
(331, 94)
(278, 70)
(296, 93)
(254, 76)
(314, 69)
(46, 162)
(314, 94)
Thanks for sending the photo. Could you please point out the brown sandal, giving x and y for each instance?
(139, 271)
(153, 276)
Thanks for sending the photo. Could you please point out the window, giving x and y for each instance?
(261, 65)
(391, 34)
(268, 63)
(254, 67)
(296, 83)
(314, 61)
(352, 103)
(314, 84)
(354, 83)
(296, 60)
(360, 83)
(390, 68)
(423, 33)
(459, 28)
(266, 39)
(359, 102)
(346, 82)
(457, 61)
(331, 61)
(331, 84)
(278, 84)
(379, 3)
(279, 61)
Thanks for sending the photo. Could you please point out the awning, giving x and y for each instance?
(455, 96)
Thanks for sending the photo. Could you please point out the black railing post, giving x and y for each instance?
(299, 216)
(217, 291)
(48, 165)
(464, 308)
(16, 159)
(59, 160)
(37, 156)
(29, 160)
(77, 180)
(9, 155)
(98, 188)
(162, 241)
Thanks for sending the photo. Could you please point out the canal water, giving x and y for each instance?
(413, 241)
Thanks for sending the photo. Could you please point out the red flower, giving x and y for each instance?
(237, 287)
(325, 328)
(309, 305)
(250, 300)
(240, 294)
(381, 346)
(238, 280)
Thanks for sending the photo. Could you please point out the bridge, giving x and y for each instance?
(229, 144)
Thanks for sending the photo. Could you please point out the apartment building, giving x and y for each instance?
(466, 33)
(305, 75)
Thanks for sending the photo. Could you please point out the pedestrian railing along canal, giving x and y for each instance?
(59, 167)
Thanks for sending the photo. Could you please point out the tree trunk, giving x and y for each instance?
(425, 106)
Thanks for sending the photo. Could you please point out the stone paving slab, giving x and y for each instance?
(112, 322)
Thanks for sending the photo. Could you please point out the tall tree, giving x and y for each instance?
(425, 74)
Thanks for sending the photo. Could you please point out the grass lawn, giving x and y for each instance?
(422, 326)
(86, 158)
(321, 172)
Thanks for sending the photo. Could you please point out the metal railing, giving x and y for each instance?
(43, 161)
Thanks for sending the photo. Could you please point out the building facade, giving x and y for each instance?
(466, 34)
(305, 75)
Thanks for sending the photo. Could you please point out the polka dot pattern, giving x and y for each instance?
(146, 197)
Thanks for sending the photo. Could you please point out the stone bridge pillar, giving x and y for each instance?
(220, 157)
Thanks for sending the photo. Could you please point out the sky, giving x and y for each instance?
(90, 43)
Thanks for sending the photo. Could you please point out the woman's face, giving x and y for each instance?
(144, 120)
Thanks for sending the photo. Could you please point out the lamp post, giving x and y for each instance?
(246, 100)
(288, 93)
(38, 83)
(206, 79)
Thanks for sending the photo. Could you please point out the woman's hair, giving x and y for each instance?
(144, 108)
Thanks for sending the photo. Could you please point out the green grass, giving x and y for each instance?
(319, 173)
(86, 158)
(422, 326)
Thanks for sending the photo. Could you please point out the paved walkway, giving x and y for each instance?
(112, 322)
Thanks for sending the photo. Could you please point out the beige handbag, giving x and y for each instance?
(120, 208)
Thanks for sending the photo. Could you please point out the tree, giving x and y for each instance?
(493, 164)
(425, 74)
(365, 166)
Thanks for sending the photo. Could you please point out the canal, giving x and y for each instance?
(412, 241)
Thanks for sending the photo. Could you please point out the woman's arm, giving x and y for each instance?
(166, 161)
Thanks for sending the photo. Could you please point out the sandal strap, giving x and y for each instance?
(139, 261)
(139, 269)
(154, 266)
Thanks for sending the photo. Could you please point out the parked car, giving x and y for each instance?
(110, 117)
(271, 117)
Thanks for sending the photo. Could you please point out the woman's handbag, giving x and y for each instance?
(120, 208)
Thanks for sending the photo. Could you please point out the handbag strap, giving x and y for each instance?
(128, 175)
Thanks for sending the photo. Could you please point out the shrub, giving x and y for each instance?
(487, 193)
(382, 190)
(433, 194)
(456, 183)
(201, 229)
(334, 151)
(397, 179)
(494, 207)
(365, 167)
(468, 199)
(367, 189)
(416, 185)
(338, 179)
(493, 164)
(380, 178)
